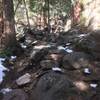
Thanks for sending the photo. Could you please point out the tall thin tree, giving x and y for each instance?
(8, 35)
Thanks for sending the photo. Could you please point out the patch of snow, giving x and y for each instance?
(13, 57)
(93, 85)
(61, 48)
(6, 90)
(68, 44)
(87, 71)
(2, 69)
(82, 35)
(56, 69)
(65, 48)
(28, 41)
(42, 46)
(23, 46)
(69, 50)
(34, 42)
(2, 59)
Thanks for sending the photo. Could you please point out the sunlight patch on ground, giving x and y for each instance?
(81, 85)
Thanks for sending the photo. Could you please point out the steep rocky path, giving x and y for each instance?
(64, 67)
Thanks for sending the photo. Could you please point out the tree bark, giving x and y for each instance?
(76, 12)
(1, 22)
(8, 35)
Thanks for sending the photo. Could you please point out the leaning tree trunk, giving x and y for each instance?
(76, 12)
(8, 35)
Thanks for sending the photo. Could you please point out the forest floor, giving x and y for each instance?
(64, 66)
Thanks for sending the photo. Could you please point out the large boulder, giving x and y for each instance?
(76, 60)
(54, 86)
(90, 44)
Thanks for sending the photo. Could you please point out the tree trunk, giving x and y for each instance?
(8, 36)
(1, 22)
(76, 12)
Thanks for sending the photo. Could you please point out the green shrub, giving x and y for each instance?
(5, 53)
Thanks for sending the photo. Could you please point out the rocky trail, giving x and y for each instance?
(64, 66)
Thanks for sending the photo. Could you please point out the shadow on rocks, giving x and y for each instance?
(55, 86)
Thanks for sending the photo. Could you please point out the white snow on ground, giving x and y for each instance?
(93, 85)
(13, 57)
(34, 42)
(23, 46)
(87, 71)
(42, 46)
(68, 50)
(68, 44)
(6, 90)
(56, 69)
(61, 48)
(82, 35)
(2, 69)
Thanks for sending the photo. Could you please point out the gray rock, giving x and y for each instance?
(75, 60)
(26, 78)
(54, 86)
(47, 63)
(91, 44)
